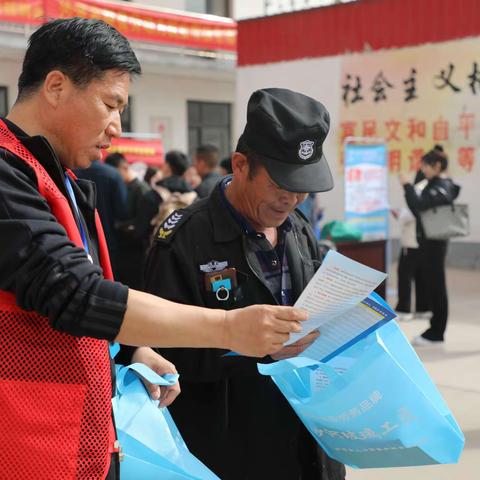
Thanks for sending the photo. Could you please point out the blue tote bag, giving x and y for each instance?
(151, 444)
(373, 405)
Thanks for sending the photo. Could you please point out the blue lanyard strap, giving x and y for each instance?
(113, 347)
(74, 201)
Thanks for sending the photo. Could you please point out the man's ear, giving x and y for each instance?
(240, 165)
(55, 86)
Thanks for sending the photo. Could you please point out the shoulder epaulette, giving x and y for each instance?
(171, 224)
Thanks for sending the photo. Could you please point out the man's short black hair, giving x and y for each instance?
(83, 49)
(115, 159)
(226, 164)
(149, 173)
(177, 161)
(209, 154)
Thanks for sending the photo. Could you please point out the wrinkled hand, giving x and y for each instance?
(159, 365)
(296, 348)
(261, 330)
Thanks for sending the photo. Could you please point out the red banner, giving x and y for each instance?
(353, 27)
(136, 23)
(27, 11)
(135, 150)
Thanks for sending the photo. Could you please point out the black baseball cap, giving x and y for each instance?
(287, 129)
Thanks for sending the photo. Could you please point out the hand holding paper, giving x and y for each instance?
(336, 302)
(337, 286)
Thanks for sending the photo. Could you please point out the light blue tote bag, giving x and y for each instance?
(373, 405)
(151, 444)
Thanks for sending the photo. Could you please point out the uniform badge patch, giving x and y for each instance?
(305, 150)
(170, 223)
(213, 266)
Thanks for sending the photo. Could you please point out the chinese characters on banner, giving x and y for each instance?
(367, 208)
(415, 98)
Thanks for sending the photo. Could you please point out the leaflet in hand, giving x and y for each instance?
(337, 304)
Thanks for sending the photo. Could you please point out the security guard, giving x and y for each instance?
(243, 245)
(58, 303)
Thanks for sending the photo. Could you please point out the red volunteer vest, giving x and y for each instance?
(55, 389)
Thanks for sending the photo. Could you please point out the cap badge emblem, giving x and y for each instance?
(305, 150)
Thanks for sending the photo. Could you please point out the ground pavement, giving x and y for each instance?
(456, 372)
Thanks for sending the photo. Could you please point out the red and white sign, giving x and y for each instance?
(135, 150)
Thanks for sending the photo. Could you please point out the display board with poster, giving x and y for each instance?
(366, 186)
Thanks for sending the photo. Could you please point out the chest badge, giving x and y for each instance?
(213, 266)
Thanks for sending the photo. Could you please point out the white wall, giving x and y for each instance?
(320, 78)
(159, 95)
(173, 4)
(166, 96)
(9, 73)
(259, 8)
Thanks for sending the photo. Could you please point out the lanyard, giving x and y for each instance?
(74, 201)
(114, 347)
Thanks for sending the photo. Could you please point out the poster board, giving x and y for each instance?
(366, 186)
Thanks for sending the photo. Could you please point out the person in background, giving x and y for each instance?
(136, 188)
(176, 163)
(111, 204)
(206, 160)
(174, 168)
(192, 177)
(247, 243)
(439, 190)
(59, 305)
(409, 269)
(149, 173)
(131, 256)
(225, 167)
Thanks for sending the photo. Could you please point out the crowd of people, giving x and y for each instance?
(59, 304)
(132, 208)
(225, 251)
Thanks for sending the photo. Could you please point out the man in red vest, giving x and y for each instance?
(59, 305)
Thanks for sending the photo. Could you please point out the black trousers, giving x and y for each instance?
(410, 270)
(114, 470)
(432, 258)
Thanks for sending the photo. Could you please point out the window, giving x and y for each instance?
(213, 7)
(3, 101)
(209, 123)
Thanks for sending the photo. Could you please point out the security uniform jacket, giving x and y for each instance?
(234, 419)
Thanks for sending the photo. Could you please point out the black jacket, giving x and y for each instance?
(208, 184)
(38, 262)
(231, 417)
(175, 183)
(111, 199)
(438, 191)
